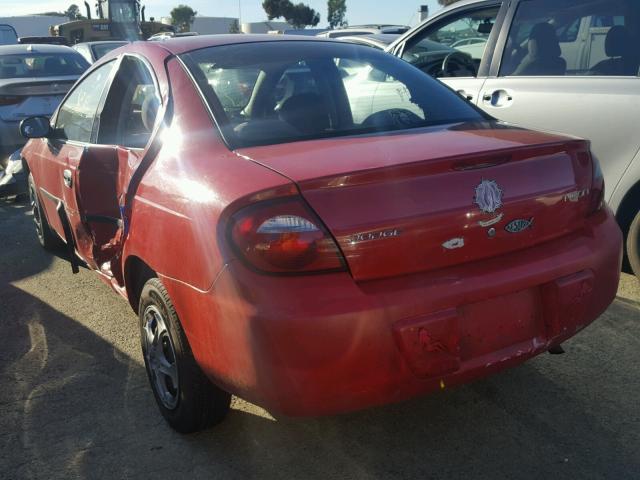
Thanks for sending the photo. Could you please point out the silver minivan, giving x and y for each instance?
(570, 66)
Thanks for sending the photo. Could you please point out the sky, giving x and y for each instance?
(402, 12)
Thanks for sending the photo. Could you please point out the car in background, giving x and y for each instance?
(308, 256)
(93, 51)
(363, 30)
(168, 35)
(8, 35)
(33, 81)
(43, 40)
(13, 175)
(376, 40)
(568, 66)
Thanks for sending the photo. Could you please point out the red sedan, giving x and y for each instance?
(317, 226)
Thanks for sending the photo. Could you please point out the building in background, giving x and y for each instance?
(33, 25)
(423, 12)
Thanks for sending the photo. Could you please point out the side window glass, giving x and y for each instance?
(572, 37)
(131, 108)
(77, 114)
(454, 47)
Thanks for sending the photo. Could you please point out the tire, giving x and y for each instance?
(188, 401)
(46, 237)
(633, 245)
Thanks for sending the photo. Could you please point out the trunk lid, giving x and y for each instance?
(411, 202)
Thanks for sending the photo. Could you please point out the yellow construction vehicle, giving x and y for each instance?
(115, 20)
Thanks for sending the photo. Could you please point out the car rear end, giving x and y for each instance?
(391, 282)
(406, 259)
(33, 82)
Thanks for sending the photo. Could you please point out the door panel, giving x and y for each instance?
(603, 110)
(93, 201)
(468, 88)
(51, 166)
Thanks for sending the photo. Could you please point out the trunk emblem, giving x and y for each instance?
(519, 225)
(488, 196)
(491, 222)
(454, 244)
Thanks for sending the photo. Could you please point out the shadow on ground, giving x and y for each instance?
(75, 403)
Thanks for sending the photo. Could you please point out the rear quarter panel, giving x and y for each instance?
(177, 209)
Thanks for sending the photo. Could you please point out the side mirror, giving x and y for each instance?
(35, 127)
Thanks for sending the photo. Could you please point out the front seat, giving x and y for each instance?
(619, 48)
(306, 112)
(544, 56)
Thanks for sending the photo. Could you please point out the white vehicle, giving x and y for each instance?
(363, 30)
(570, 66)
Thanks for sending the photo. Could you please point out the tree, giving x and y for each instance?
(235, 27)
(182, 17)
(337, 9)
(446, 3)
(73, 12)
(299, 15)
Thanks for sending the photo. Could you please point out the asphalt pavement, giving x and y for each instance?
(75, 403)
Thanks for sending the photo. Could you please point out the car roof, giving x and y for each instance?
(34, 48)
(180, 45)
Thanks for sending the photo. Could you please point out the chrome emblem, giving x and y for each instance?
(488, 196)
(575, 197)
(519, 225)
(491, 222)
(454, 244)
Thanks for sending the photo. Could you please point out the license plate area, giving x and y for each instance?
(500, 322)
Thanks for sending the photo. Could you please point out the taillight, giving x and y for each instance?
(284, 237)
(9, 100)
(597, 187)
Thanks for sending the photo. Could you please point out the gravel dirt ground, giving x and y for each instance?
(75, 403)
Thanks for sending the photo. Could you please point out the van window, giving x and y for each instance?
(573, 37)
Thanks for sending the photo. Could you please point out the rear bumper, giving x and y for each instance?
(323, 344)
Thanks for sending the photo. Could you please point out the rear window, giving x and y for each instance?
(42, 65)
(279, 92)
(101, 49)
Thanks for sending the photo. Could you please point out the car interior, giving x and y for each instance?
(293, 101)
(592, 38)
(131, 108)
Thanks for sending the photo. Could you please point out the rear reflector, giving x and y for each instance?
(284, 237)
(597, 187)
(9, 100)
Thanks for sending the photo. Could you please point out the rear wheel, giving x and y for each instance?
(633, 245)
(47, 238)
(185, 397)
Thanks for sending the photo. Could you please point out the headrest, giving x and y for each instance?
(149, 111)
(306, 112)
(618, 42)
(543, 41)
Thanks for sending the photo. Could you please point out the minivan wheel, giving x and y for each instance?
(188, 401)
(633, 245)
(45, 235)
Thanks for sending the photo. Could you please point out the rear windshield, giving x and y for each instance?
(42, 65)
(101, 49)
(279, 92)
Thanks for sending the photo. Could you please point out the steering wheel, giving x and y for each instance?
(462, 60)
(394, 117)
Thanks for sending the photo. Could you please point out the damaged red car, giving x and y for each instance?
(316, 226)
